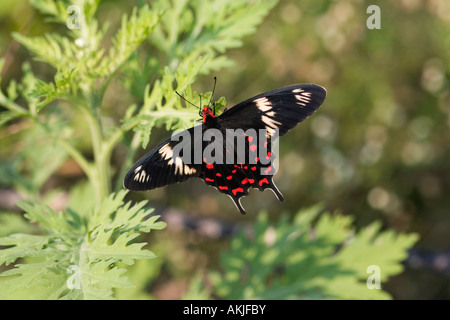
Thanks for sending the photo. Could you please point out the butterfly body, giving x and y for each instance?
(232, 152)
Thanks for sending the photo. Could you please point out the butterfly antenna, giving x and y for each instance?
(212, 95)
(185, 99)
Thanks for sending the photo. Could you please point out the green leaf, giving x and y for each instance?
(56, 9)
(197, 290)
(383, 247)
(56, 50)
(133, 31)
(162, 106)
(206, 27)
(22, 245)
(39, 280)
(77, 258)
(47, 217)
(14, 223)
(309, 260)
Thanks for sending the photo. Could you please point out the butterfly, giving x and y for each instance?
(233, 151)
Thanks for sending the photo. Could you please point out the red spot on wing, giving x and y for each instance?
(268, 169)
(262, 181)
(209, 180)
(209, 166)
(235, 191)
(223, 187)
(229, 177)
(234, 171)
(218, 174)
(253, 168)
(269, 154)
(244, 181)
(250, 138)
(253, 147)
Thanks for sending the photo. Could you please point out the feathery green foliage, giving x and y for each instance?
(77, 255)
(83, 251)
(314, 256)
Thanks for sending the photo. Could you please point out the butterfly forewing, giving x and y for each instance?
(161, 167)
(280, 109)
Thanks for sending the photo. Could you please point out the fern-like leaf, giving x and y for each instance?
(306, 260)
(77, 258)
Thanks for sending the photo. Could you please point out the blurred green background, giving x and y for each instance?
(376, 149)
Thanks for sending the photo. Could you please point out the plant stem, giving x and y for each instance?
(128, 160)
(101, 169)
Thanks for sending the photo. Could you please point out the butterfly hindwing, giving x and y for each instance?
(235, 179)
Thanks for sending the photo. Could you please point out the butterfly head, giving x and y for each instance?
(207, 112)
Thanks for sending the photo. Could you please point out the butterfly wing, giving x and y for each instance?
(235, 178)
(161, 166)
(281, 109)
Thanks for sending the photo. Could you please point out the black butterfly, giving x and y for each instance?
(222, 162)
